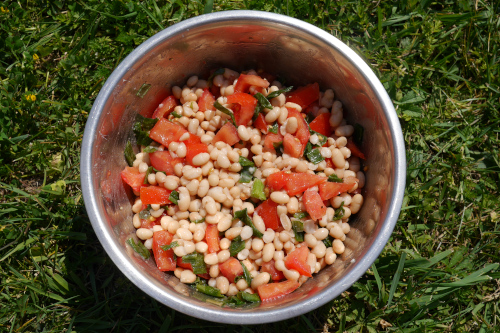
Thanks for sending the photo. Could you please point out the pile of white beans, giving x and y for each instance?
(211, 190)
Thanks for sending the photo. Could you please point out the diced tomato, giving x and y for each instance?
(231, 268)
(297, 182)
(268, 210)
(330, 190)
(275, 290)
(276, 181)
(165, 107)
(165, 132)
(329, 163)
(133, 177)
(155, 195)
(292, 146)
(268, 267)
(193, 150)
(246, 81)
(147, 223)
(212, 238)
(272, 138)
(297, 260)
(261, 123)
(164, 259)
(321, 124)
(354, 149)
(163, 161)
(206, 101)
(304, 96)
(314, 204)
(228, 134)
(302, 132)
(247, 105)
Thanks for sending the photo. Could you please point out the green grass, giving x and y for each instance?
(439, 61)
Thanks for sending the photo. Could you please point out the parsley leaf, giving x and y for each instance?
(207, 290)
(301, 215)
(129, 154)
(243, 216)
(274, 129)
(198, 221)
(141, 129)
(225, 110)
(148, 171)
(339, 212)
(146, 213)
(247, 170)
(279, 92)
(246, 274)
(236, 246)
(278, 147)
(139, 248)
(298, 230)
(170, 246)
(197, 262)
(263, 101)
(174, 197)
(313, 155)
(149, 149)
(258, 190)
(334, 178)
(328, 241)
(175, 114)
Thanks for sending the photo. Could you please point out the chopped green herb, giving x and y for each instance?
(279, 92)
(175, 114)
(334, 178)
(146, 213)
(298, 230)
(247, 170)
(236, 246)
(149, 149)
(170, 246)
(328, 241)
(139, 248)
(210, 80)
(234, 301)
(278, 147)
(198, 221)
(207, 290)
(246, 274)
(357, 136)
(263, 101)
(313, 155)
(258, 190)
(129, 154)
(274, 129)
(141, 129)
(310, 117)
(197, 262)
(174, 197)
(252, 298)
(301, 215)
(148, 171)
(225, 110)
(243, 216)
(339, 212)
(242, 298)
(143, 90)
(322, 138)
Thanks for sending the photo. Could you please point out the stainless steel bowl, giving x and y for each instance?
(296, 51)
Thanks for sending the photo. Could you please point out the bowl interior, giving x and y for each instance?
(298, 54)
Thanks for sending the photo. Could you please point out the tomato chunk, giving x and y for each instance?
(261, 123)
(297, 260)
(155, 195)
(268, 267)
(297, 182)
(304, 96)
(321, 124)
(276, 181)
(165, 107)
(165, 132)
(268, 210)
(330, 190)
(228, 134)
(231, 268)
(163, 161)
(133, 178)
(193, 150)
(206, 101)
(292, 146)
(212, 238)
(247, 104)
(164, 259)
(302, 132)
(314, 205)
(272, 138)
(354, 149)
(246, 81)
(275, 290)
